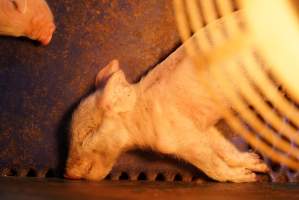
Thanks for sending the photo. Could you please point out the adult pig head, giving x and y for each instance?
(29, 18)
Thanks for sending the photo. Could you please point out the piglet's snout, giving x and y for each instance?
(74, 170)
(72, 176)
(41, 26)
(29, 18)
(41, 29)
(46, 38)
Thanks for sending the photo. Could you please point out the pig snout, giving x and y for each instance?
(77, 167)
(41, 31)
(87, 166)
(29, 18)
(41, 26)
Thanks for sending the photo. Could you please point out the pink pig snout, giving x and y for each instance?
(41, 26)
(29, 18)
(42, 33)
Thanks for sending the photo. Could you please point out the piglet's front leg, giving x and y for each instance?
(211, 152)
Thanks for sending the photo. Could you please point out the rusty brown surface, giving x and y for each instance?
(25, 188)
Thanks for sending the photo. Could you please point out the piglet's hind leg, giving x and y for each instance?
(204, 152)
(232, 156)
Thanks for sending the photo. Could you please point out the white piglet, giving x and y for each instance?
(168, 111)
(29, 18)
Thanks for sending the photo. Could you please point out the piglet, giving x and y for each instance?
(29, 18)
(168, 111)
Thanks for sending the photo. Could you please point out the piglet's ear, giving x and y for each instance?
(118, 95)
(20, 5)
(105, 73)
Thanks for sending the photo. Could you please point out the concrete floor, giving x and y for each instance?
(35, 188)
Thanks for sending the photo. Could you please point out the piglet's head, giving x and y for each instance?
(98, 135)
(29, 18)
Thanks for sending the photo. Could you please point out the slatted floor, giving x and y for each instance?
(35, 188)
